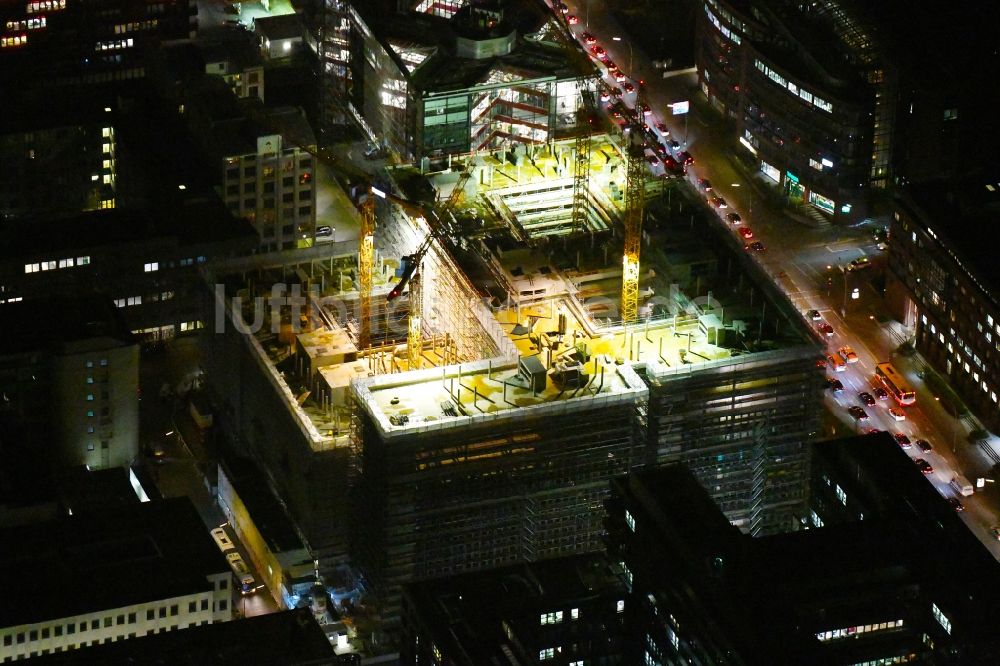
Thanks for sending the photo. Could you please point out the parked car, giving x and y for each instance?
(834, 385)
(902, 440)
(588, 39)
(897, 414)
(685, 158)
(859, 264)
(746, 233)
(734, 218)
(755, 246)
(718, 201)
(662, 129)
(629, 88)
(572, 19)
(880, 393)
(924, 466)
(955, 503)
(825, 329)
(924, 446)
(866, 399)
(814, 315)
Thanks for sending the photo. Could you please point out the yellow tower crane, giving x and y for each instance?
(635, 195)
(366, 261)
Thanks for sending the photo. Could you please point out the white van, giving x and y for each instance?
(962, 485)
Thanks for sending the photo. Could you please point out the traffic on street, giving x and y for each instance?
(827, 273)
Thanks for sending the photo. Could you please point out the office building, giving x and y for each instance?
(60, 41)
(95, 578)
(438, 79)
(58, 155)
(73, 384)
(941, 282)
(563, 611)
(887, 574)
(145, 260)
(811, 103)
(288, 638)
(265, 160)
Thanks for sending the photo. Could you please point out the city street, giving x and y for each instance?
(809, 262)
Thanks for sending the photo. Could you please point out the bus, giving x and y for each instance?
(895, 384)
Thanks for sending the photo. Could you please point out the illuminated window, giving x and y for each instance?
(841, 495)
(621, 606)
(629, 520)
(941, 617)
(149, 268)
(82, 261)
(551, 618)
(547, 653)
(575, 613)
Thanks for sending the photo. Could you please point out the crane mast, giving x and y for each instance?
(635, 185)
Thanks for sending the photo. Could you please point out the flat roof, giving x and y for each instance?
(285, 638)
(457, 396)
(58, 321)
(117, 557)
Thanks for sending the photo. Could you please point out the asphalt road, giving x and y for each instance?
(806, 263)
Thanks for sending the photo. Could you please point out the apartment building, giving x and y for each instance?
(102, 577)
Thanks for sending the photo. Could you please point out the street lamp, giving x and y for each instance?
(619, 39)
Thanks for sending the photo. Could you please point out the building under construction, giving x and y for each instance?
(501, 388)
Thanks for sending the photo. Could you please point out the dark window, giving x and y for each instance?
(120, 619)
(83, 626)
(33, 635)
(204, 604)
(224, 583)
(305, 195)
(163, 611)
(304, 210)
(71, 628)
(192, 606)
(8, 639)
(131, 618)
(59, 630)
(269, 187)
(150, 614)
(223, 604)
(107, 621)
(173, 609)
(287, 181)
(249, 187)
(232, 189)
(288, 197)
(45, 632)
(250, 171)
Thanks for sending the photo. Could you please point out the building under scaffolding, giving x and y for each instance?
(529, 393)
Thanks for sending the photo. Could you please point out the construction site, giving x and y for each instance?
(495, 349)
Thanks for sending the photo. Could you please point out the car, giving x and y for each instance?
(834, 385)
(645, 109)
(746, 233)
(572, 20)
(588, 39)
(610, 64)
(880, 393)
(873, 431)
(619, 76)
(670, 164)
(755, 246)
(222, 539)
(866, 399)
(718, 201)
(562, 7)
(954, 503)
(924, 466)
(995, 531)
(324, 230)
(897, 414)
(924, 446)
(813, 315)
(825, 329)
(734, 219)
(616, 91)
(685, 157)
(848, 355)
(629, 88)
(704, 184)
(599, 52)
(674, 145)
(605, 96)
(859, 264)
(902, 440)
(653, 159)
(662, 129)
(858, 413)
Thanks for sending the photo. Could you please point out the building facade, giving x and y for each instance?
(87, 42)
(430, 82)
(101, 594)
(941, 283)
(74, 386)
(812, 108)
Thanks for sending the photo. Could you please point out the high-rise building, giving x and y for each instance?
(942, 282)
(887, 573)
(73, 385)
(61, 41)
(95, 578)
